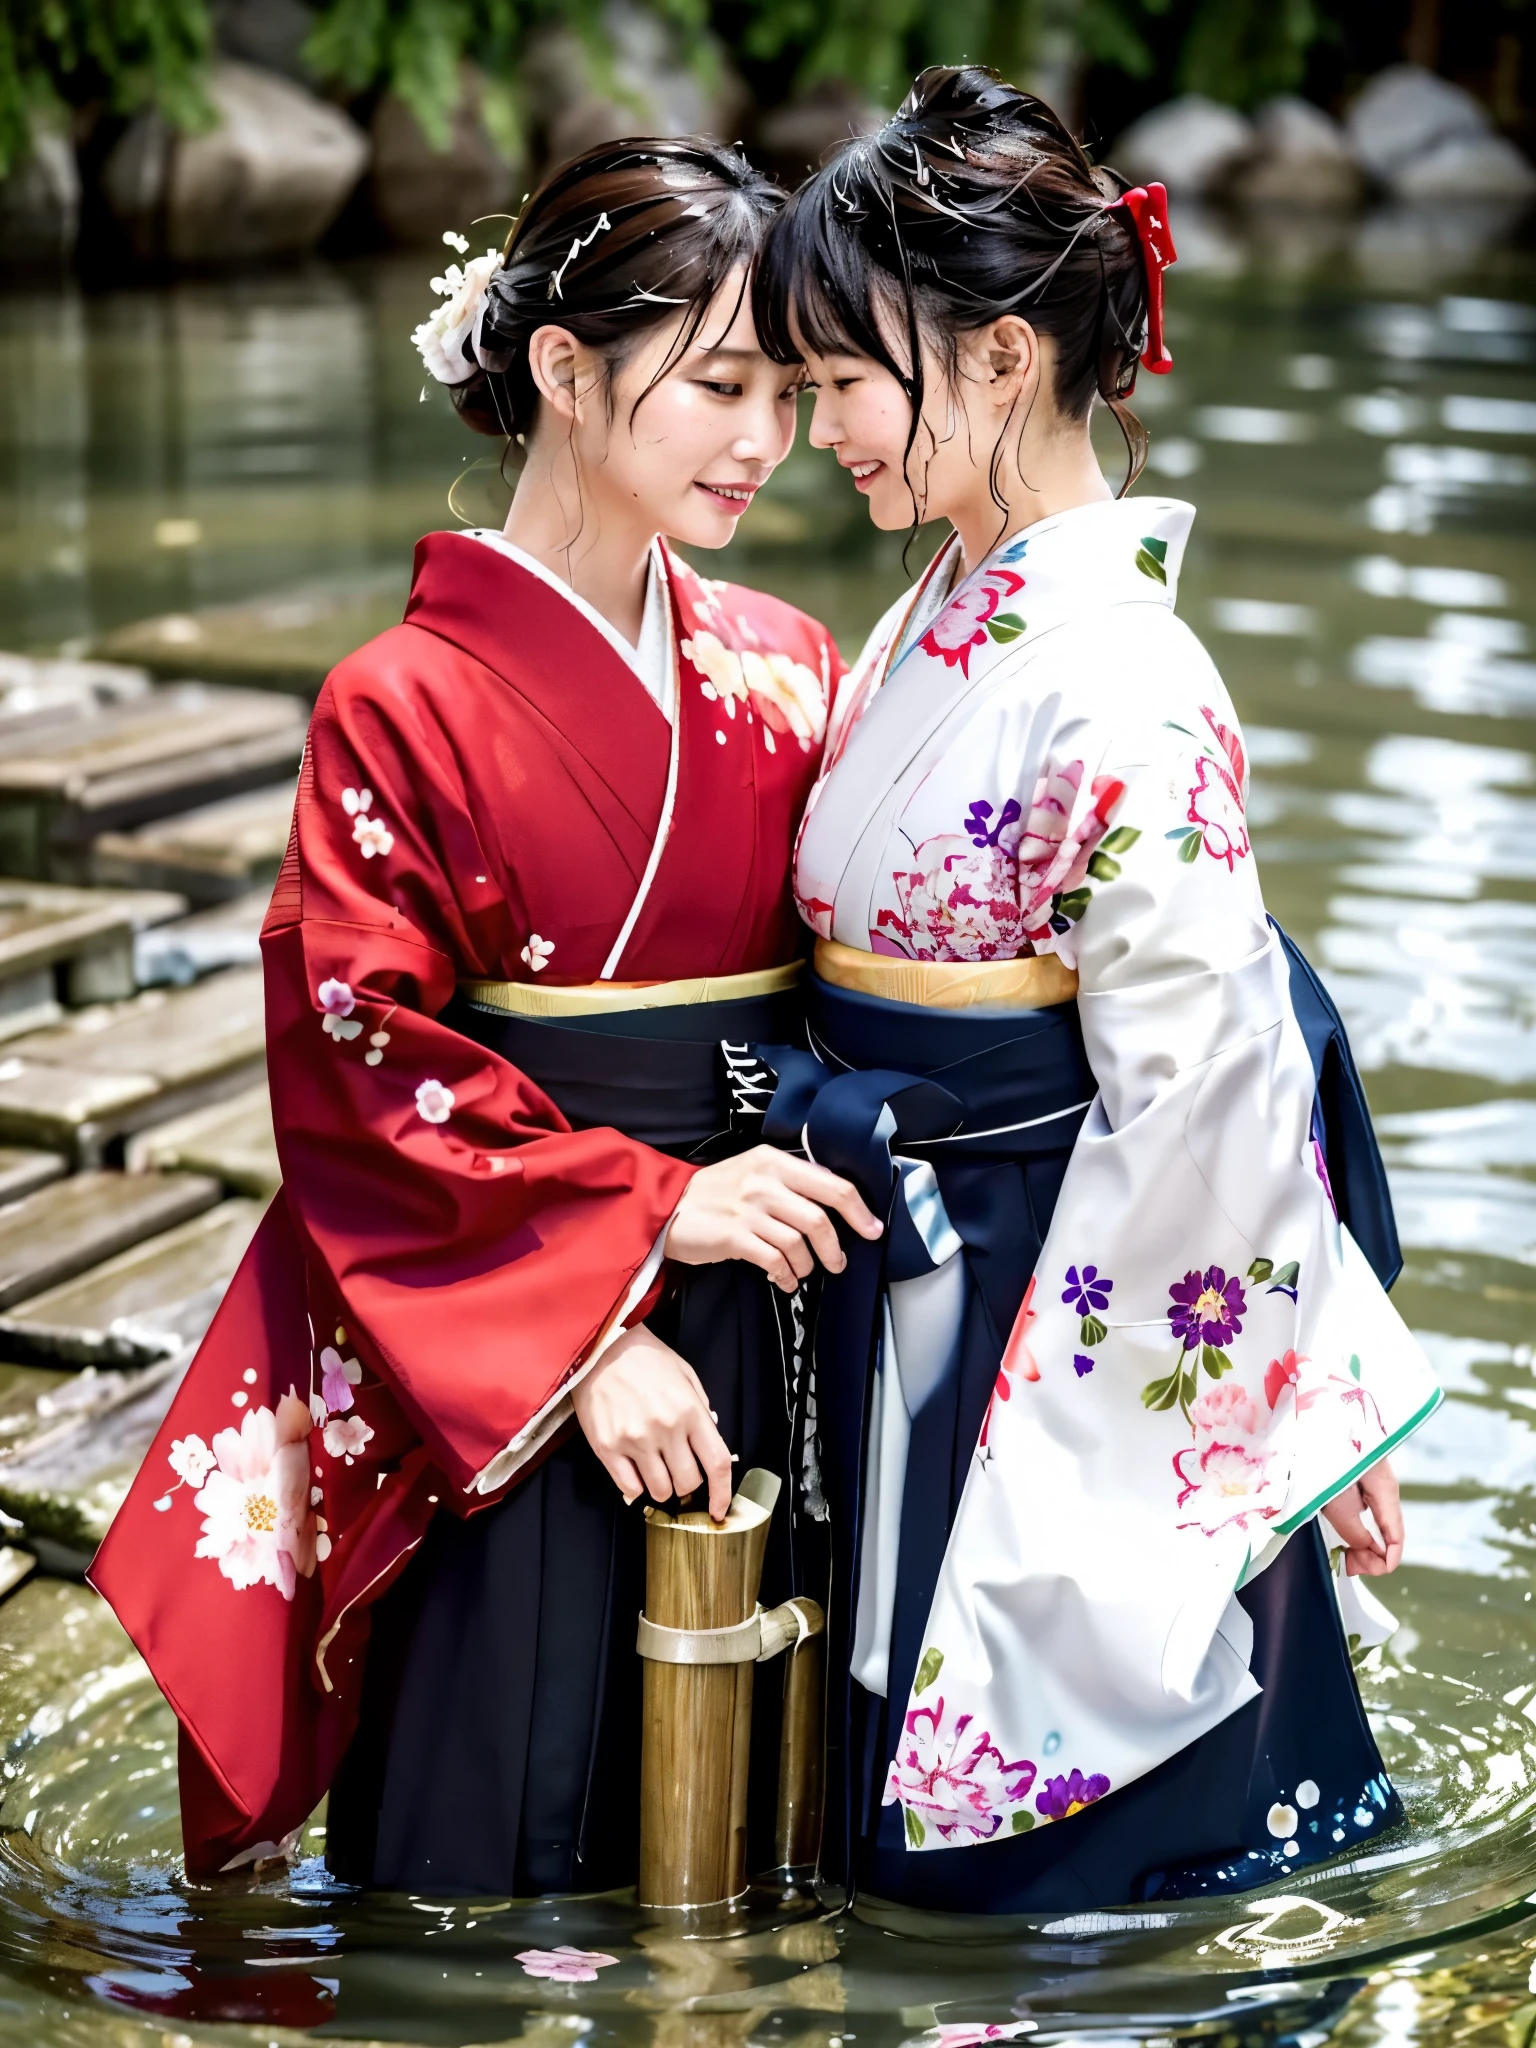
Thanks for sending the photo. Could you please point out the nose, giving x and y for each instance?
(825, 431)
(760, 434)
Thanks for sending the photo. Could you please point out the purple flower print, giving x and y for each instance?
(1082, 1364)
(1090, 1294)
(1208, 1308)
(978, 821)
(1063, 1796)
(565, 1965)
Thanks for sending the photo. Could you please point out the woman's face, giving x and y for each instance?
(862, 413)
(685, 456)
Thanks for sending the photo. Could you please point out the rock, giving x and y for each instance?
(290, 639)
(650, 87)
(1405, 113)
(40, 203)
(1466, 167)
(1191, 144)
(38, 692)
(796, 138)
(1302, 159)
(417, 192)
(267, 181)
(271, 33)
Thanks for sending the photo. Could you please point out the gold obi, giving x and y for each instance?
(1031, 984)
(599, 998)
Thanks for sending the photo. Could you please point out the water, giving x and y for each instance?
(1357, 424)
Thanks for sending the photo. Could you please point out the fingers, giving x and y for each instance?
(1379, 1487)
(830, 1190)
(709, 1447)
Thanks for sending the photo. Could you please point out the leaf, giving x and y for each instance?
(1354, 1365)
(1149, 565)
(1072, 905)
(1158, 1395)
(1215, 1361)
(1006, 626)
(928, 1670)
(1154, 546)
(1288, 1275)
(1190, 850)
(1261, 1269)
(1023, 1820)
(1121, 840)
(1102, 868)
(1093, 1331)
(915, 1829)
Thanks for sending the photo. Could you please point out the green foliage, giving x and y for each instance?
(1244, 51)
(125, 54)
(416, 47)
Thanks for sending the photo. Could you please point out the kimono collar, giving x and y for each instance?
(1114, 551)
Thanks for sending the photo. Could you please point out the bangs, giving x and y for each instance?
(816, 277)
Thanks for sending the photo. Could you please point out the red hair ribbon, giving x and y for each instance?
(1147, 206)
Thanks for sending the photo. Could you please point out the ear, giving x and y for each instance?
(1009, 351)
(555, 361)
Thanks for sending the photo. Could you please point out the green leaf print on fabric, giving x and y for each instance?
(1005, 627)
(916, 1832)
(1151, 557)
(928, 1670)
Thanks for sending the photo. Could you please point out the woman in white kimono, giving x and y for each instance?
(1079, 1411)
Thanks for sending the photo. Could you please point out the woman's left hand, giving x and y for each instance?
(1375, 1552)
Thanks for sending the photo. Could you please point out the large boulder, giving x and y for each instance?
(417, 191)
(1302, 159)
(646, 86)
(1191, 144)
(1404, 114)
(40, 202)
(271, 33)
(1466, 167)
(267, 180)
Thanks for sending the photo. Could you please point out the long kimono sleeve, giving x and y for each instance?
(1204, 1357)
(472, 1246)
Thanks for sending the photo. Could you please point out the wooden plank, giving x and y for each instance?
(36, 693)
(78, 943)
(210, 854)
(227, 935)
(232, 1140)
(22, 1169)
(290, 640)
(65, 1491)
(183, 744)
(152, 1302)
(50, 1236)
(113, 1070)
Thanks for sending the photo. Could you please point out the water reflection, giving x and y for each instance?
(1360, 446)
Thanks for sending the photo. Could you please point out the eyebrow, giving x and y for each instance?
(730, 355)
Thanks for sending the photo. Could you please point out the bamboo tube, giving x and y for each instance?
(797, 1835)
(696, 1718)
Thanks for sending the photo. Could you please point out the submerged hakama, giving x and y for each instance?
(474, 1204)
(1080, 1409)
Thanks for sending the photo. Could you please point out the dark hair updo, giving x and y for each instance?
(611, 246)
(972, 201)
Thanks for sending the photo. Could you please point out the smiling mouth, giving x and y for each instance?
(863, 472)
(736, 496)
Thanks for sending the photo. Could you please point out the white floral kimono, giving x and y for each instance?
(1047, 761)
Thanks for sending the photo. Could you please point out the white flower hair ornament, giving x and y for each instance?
(463, 291)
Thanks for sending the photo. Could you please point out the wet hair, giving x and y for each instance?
(974, 200)
(610, 247)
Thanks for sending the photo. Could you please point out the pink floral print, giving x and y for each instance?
(950, 1775)
(1225, 1475)
(1008, 883)
(1215, 817)
(565, 1965)
(257, 1524)
(971, 618)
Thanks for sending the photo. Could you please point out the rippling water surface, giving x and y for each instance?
(1357, 425)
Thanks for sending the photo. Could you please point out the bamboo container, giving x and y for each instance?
(701, 1634)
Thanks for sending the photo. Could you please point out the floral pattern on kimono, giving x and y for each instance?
(1203, 1357)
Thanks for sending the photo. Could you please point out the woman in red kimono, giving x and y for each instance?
(534, 907)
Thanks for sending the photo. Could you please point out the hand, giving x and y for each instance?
(769, 1208)
(1375, 1552)
(644, 1413)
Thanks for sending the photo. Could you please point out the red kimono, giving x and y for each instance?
(481, 798)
